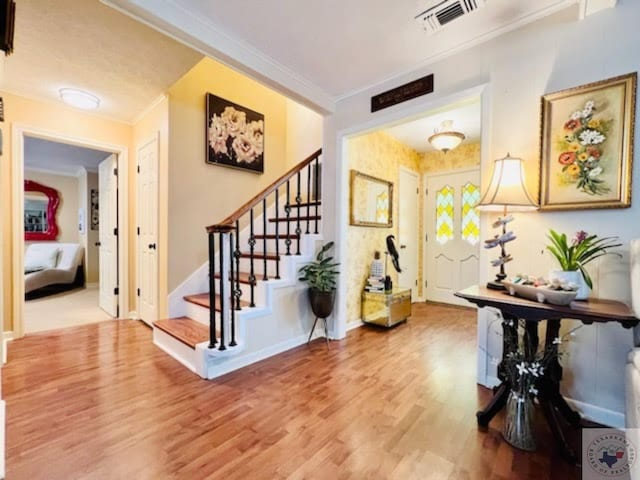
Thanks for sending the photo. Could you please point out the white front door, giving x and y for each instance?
(452, 230)
(147, 190)
(108, 235)
(408, 230)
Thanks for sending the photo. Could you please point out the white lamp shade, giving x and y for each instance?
(507, 187)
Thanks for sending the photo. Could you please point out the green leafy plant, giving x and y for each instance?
(321, 274)
(584, 248)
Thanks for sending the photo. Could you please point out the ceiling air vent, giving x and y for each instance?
(446, 11)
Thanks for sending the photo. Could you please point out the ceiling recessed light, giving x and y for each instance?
(79, 99)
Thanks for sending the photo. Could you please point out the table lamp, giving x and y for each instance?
(507, 191)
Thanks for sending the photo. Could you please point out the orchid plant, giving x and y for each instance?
(584, 248)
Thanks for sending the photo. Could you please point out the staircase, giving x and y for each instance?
(246, 304)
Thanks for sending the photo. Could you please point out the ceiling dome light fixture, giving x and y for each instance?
(79, 99)
(446, 139)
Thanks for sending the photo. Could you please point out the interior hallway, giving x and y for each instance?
(62, 310)
(103, 402)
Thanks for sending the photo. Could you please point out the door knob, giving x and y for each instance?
(403, 246)
(152, 246)
(97, 244)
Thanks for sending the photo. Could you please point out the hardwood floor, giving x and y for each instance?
(101, 402)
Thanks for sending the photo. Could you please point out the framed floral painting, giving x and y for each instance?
(234, 135)
(587, 145)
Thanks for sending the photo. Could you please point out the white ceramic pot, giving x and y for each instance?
(574, 276)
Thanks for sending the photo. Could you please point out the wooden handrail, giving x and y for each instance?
(229, 222)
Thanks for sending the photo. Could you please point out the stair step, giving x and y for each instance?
(260, 255)
(184, 329)
(295, 219)
(281, 236)
(202, 299)
(243, 277)
(303, 205)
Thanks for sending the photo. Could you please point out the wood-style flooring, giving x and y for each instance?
(102, 402)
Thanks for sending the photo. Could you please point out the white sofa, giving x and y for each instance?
(51, 263)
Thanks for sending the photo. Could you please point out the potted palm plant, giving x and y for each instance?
(321, 276)
(573, 257)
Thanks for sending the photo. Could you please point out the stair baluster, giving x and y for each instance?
(298, 202)
(236, 255)
(252, 244)
(212, 289)
(308, 197)
(264, 239)
(277, 236)
(232, 276)
(316, 191)
(287, 209)
(224, 276)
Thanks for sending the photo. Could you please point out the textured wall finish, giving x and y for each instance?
(87, 45)
(379, 155)
(466, 155)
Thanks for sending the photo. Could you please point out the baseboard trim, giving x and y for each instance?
(597, 414)
(6, 338)
(355, 324)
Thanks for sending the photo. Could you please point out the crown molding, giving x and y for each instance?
(196, 32)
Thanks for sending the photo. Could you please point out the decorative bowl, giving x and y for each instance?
(540, 294)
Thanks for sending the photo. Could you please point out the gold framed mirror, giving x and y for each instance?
(370, 201)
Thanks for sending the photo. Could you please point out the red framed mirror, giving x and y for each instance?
(40, 207)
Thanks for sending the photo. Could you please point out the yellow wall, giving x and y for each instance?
(67, 213)
(379, 155)
(154, 121)
(56, 119)
(202, 194)
(466, 155)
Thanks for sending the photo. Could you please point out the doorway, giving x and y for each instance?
(452, 233)
(78, 220)
(408, 220)
(69, 258)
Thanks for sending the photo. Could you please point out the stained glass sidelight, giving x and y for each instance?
(444, 214)
(470, 222)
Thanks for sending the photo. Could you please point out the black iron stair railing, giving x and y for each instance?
(224, 240)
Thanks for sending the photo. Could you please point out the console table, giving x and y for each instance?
(516, 308)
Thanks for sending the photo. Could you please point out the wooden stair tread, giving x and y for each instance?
(202, 299)
(184, 329)
(295, 219)
(261, 255)
(281, 236)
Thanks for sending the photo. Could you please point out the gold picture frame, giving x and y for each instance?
(370, 201)
(586, 145)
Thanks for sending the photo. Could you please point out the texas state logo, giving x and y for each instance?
(610, 454)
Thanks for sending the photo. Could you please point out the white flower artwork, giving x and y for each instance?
(235, 135)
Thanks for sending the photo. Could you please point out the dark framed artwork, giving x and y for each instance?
(234, 135)
(586, 143)
(95, 210)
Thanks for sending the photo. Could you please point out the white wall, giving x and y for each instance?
(553, 54)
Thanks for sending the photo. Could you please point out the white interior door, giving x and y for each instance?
(408, 230)
(147, 183)
(108, 234)
(452, 230)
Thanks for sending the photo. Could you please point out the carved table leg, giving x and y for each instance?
(501, 393)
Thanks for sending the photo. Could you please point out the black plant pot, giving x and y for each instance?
(321, 302)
